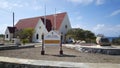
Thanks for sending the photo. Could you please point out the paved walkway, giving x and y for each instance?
(58, 63)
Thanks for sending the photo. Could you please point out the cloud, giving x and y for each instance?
(107, 30)
(98, 27)
(79, 17)
(10, 5)
(59, 11)
(5, 4)
(79, 26)
(100, 2)
(84, 2)
(116, 12)
(118, 26)
(37, 7)
(76, 26)
(34, 5)
(87, 2)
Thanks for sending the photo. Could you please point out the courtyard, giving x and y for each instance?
(52, 54)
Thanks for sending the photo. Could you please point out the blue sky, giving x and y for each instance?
(99, 16)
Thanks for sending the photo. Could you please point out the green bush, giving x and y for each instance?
(80, 34)
(116, 41)
(24, 41)
(26, 33)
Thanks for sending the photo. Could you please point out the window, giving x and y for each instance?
(66, 26)
(40, 27)
(7, 36)
(37, 36)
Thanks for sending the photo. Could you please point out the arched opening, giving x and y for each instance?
(37, 36)
(7, 36)
(66, 26)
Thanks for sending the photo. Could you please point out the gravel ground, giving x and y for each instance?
(52, 53)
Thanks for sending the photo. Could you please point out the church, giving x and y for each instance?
(41, 25)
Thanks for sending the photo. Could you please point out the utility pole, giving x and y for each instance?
(13, 19)
(45, 17)
(13, 27)
(55, 20)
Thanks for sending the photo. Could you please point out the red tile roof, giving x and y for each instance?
(32, 22)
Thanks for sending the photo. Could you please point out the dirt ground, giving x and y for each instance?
(52, 53)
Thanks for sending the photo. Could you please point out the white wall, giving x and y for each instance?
(7, 32)
(39, 29)
(64, 23)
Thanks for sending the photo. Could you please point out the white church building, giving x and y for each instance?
(43, 24)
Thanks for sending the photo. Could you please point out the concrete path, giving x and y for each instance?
(58, 63)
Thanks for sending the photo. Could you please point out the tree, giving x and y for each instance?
(2, 35)
(116, 41)
(80, 34)
(26, 33)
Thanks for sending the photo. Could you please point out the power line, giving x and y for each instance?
(6, 11)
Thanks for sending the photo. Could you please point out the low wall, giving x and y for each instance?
(95, 49)
(5, 47)
(15, 65)
(109, 51)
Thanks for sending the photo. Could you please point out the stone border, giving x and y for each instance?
(108, 51)
(10, 47)
(95, 49)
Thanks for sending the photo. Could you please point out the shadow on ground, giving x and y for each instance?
(64, 55)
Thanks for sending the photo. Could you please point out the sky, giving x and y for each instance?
(98, 16)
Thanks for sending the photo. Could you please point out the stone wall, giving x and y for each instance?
(15, 65)
(108, 51)
(15, 47)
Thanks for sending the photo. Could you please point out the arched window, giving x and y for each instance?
(7, 36)
(40, 27)
(37, 36)
(66, 26)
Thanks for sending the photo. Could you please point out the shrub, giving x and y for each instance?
(24, 41)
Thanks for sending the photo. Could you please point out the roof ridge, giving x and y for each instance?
(43, 16)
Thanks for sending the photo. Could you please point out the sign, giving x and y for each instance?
(52, 38)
